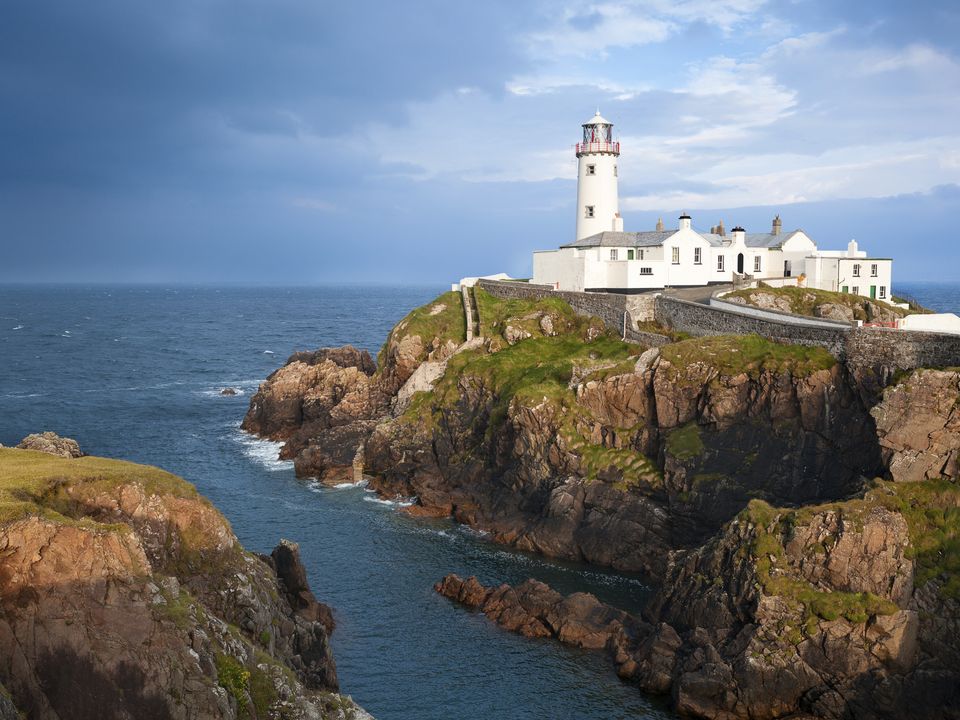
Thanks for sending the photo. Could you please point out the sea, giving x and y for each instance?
(135, 372)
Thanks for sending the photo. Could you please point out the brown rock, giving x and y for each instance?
(51, 443)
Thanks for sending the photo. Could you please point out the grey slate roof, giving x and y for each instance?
(768, 240)
(653, 238)
(610, 238)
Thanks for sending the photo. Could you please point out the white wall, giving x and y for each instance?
(599, 191)
(940, 322)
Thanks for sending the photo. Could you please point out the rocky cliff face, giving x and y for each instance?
(737, 472)
(124, 594)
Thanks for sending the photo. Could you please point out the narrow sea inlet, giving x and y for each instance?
(136, 373)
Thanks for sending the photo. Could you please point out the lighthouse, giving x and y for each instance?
(598, 204)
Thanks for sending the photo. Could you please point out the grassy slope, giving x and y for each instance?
(426, 322)
(751, 354)
(805, 301)
(27, 476)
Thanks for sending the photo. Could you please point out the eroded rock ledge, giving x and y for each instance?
(125, 594)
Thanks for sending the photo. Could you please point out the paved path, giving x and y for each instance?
(700, 294)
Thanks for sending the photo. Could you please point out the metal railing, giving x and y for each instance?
(598, 147)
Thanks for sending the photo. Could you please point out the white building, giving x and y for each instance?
(603, 257)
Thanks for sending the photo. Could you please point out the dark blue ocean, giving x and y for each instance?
(135, 373)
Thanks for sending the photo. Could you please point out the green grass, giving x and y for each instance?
(751, 354)
(806, 301)
(426, 322)
(234, 678)
(684, 443)
(28, 478)
(634, 467)
(496, 313)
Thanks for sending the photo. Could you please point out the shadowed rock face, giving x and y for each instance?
(121, 601)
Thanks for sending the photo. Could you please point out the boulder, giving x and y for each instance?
(51, 443)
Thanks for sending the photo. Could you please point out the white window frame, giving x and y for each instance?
(856, 269)
(588, 211)
(883, 292)
(874, 267)
(698, 256)
(855, 289)
(591, 169)
(675, 255)
(613, 253)
(719, 263)
(756, 263)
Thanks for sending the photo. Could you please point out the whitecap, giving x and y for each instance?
(269, 352)
(263, 452)
(18, 327)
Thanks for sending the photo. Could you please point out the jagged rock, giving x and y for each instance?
(229, 391)
(293, 575)
(918, 424)
(146, 595)
(50, 442)
(834, 311)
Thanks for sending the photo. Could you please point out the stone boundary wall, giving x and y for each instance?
(609, 307)
(902, 349)
(699, 319)
(862, 347)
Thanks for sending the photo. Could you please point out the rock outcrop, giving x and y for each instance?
(760, 485)
(51, 443)
(124, 594)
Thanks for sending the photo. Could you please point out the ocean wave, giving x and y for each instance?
(397, 502)
(269, 352)
(18, 327)
(263, 452)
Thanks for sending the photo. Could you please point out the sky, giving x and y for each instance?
(305, 142)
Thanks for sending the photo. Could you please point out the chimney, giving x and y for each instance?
(777, 225)
(684, 221)
(853, 250)
(720, 231)
(659, 224)
(739, 235)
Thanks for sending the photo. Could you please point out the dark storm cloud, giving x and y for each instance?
(119, 92)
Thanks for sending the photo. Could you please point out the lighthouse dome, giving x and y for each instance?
(597, 119)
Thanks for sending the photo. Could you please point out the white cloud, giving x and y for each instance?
(775, 179)
(916, 57)
(310, 203)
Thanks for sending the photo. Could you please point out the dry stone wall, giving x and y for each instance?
(862, 347)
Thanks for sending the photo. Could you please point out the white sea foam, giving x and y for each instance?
(263, 452)
(18, 327)
(269, 352)
(398, 501)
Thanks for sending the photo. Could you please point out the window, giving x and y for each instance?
(856, 289)
(591, 169)
(646, 271)
(719, 263)
(641, 254)
(756, 263)
(614, 170)
(883, 292)
(629, 254)
(856, 269)
(676, 255)
(697, 255)
(613, 253)
(873, 270)
(589, 211)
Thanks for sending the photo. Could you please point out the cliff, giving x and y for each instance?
(125, 594)
(754, 482)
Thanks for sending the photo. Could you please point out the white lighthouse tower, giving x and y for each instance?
(598, 203)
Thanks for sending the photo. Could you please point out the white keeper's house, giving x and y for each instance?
(603, 257)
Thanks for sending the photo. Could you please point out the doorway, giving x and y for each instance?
(740, 264)
(786, 268)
